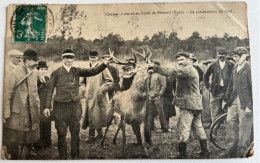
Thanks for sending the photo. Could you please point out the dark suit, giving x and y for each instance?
(217, 90)
(239, 122)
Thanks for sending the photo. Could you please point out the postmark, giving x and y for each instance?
(29, 23)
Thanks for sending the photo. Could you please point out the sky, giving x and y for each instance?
(204, 18)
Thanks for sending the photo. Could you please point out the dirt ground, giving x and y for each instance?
(164, 145)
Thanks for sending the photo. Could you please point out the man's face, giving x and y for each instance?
(183, 61)
(43, 70)
(221, 57)
(16, 60)
(128, 69)
(236, 58)
(30, 63)
(93, 59)
(68, 60)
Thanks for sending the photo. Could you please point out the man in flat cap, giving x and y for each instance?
(188, 99)
(97, 99)
(221, 72)
(240, 113)
(16, 58)
(66, 106)
(128, 75)
(21, 107)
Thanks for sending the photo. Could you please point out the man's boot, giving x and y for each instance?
(204, 149)
(182, 151)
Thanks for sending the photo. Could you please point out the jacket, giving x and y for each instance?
(156, 85)
(216, 72)
(67, 83)
(187, 92)
(21, 101)
(240, 85)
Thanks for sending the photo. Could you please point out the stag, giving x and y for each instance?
(130, 104)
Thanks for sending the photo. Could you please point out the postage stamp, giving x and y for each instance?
(30, 23)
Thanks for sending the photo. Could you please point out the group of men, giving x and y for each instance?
(32, 99)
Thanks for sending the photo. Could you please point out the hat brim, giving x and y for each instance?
(42, 67)
(68, 54)
(31, 58)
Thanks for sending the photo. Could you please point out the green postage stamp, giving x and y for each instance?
(30, 23)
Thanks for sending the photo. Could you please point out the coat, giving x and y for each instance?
(216, 71)
(42, 91)
(187, 92)
(97, 100)
(240, 85)
(16, 101)
(157, 85)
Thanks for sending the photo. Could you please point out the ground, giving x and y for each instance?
(164, 145)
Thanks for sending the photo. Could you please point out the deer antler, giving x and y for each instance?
(150, 53)
(115, 60)
(141, 54)
(145, 55)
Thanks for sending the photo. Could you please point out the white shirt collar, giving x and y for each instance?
(222, 64)
(67, 67)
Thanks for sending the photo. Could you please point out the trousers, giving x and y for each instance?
(190, 120)
(238, 128)
(216, 104)
(67, 114)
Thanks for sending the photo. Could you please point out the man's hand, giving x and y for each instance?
(5, 120)
(248, 111)
(107, 60)
(47, 112)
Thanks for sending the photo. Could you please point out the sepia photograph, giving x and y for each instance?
(127, 81)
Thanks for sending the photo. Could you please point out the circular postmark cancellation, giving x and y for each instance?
(29, 23)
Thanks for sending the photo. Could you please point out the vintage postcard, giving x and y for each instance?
(127, 81)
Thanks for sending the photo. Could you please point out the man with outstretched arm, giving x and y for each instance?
(188, 99)
(66, 106)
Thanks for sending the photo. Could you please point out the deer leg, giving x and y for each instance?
(143, 140)
(136, 128)
(124, 136)
(119, 127)
(108, 125)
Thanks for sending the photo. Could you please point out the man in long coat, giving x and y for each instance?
(21, 107)
(97, 99)
(66, 106)
(188, 99)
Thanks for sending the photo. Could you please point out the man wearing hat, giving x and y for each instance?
(45, 123)
(115, 74)
(240, 113)
(188, 99)
(66, 106)
(21, 107)
(15, 58)
(221, 72)
(156, 85)
(97, 100)
(128, 75)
